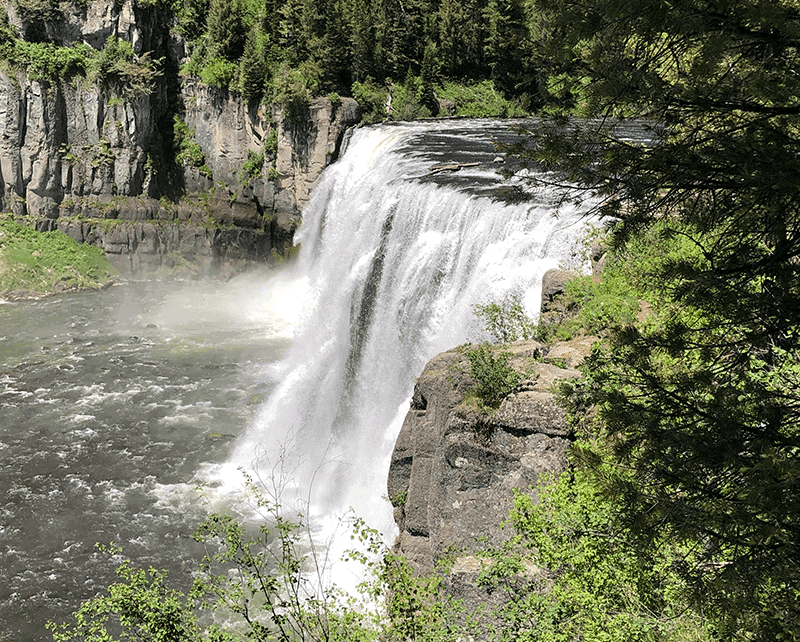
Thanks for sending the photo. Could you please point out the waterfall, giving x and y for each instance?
(393, 258)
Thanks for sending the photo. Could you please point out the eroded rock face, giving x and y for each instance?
(454, 471)
(99, 164)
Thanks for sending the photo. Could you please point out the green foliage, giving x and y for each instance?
(419, 607)
(292, 89)
(271, 150)
(406, 103)
(226, 28)
(114, 66)
(631, 286)
(32, 262)
(506, 321)
(699, 400)
(271, 142)
(189, 153)
(42, 60)
(191, 17)
(45, 61)
(253, 45)
(493, 375)
(479, 100)
(601, 305)
(725, 482)
(399, 499)
(508, 47)
(252, 166)
(571, 574)
(253, 67)
(138, 607)
(372, 100)
(266, 583)
(429, 75)
(221, 73)
(118, 67)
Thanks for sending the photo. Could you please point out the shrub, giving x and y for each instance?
(479, 100)
(494, 376)
(117, 66)
(292, 89)
(268, 584)
(506, 321)
(271, 142)
(252, 166)
(371, 98)
(189, 153)
(406, 104)
(219, 72)
(592, 583)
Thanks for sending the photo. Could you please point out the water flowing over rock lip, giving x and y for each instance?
(419, 254)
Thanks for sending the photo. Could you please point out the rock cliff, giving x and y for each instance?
(454, 469)
(104, 165)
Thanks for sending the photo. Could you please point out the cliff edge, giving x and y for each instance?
(454, 468)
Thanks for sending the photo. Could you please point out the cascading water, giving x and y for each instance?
(394, 257)
(113, 405)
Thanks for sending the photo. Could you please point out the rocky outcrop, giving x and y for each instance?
(454, 469)
(100, 164)
(553, 306)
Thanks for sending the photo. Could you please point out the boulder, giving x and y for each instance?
(553, 285)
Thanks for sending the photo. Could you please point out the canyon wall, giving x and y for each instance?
(105, 166)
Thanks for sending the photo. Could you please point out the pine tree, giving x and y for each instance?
(253, 67)
(226, 28)
(700, 406)
(450, 26)
(429, 77)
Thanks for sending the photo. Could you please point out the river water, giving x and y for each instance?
(111, 403)
(116, 404)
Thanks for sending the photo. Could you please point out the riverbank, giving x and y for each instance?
(38, 264)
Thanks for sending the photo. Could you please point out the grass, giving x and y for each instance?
(35, 263)
(479, 100)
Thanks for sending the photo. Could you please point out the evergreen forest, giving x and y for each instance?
(286, 52)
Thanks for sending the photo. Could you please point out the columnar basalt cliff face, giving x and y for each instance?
(103, 164)
(454, 470)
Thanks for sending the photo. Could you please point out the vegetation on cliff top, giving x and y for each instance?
(115, 66)
(34, 263)
(285, 51)
(471, 52)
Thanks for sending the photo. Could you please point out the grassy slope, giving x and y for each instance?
(35, 263)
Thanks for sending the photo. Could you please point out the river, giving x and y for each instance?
(117, 404)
